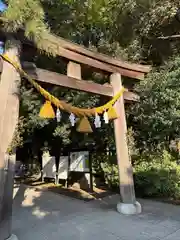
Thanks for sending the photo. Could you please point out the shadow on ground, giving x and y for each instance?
(72, 191)
(44, 215)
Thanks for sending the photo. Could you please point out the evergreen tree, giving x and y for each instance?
(28, 15)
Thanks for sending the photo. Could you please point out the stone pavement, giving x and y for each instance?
(42, 215)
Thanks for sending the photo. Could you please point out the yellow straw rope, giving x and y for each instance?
(62, 104)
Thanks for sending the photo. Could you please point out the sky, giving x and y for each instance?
(2, 8)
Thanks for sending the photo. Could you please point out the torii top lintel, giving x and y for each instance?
(97, 61)
(82, 55)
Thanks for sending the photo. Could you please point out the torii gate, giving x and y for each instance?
(77, 56)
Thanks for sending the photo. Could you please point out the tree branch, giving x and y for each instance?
(169, 37)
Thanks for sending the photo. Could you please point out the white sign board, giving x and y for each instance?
(49, 166)
(79, 161)
(63, 168)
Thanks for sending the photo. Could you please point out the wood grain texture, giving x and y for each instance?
(99, 65)
(46, 76)
(9, 99)
(97, 61)
(123, 159)
(99, 56)
(74, 70)
(59, 42)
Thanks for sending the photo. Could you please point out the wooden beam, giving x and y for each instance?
(58, 42)
(94, 63)
(9, 99)
(126, 183)
(99, 56)
(1, 65)
(43, 75)
(79, 58)
(74, 70)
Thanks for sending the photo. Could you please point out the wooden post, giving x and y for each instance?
(9, 112)
(90, 171)
(128, 200)
(74, 70)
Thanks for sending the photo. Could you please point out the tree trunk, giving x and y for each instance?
(9, 112)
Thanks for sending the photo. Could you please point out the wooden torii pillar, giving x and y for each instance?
(128, 204)
(9, 113)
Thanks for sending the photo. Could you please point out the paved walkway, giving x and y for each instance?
(44, 215)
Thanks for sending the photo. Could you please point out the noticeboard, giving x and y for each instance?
(49, 166)
(63, 167)
(79, 161)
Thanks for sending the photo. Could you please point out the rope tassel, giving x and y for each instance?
(47, 111)
(84, 126)
(112, 114)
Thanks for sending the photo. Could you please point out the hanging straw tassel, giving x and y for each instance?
(112, 114)
(84, 126)
(47, 111)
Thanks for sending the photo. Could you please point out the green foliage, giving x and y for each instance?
(104, 161)
(154, 175)
(126, 29)
(105, 166)
(18, 136)
(158, 177)
(156, 118)
(28, 15)
(111, 174)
